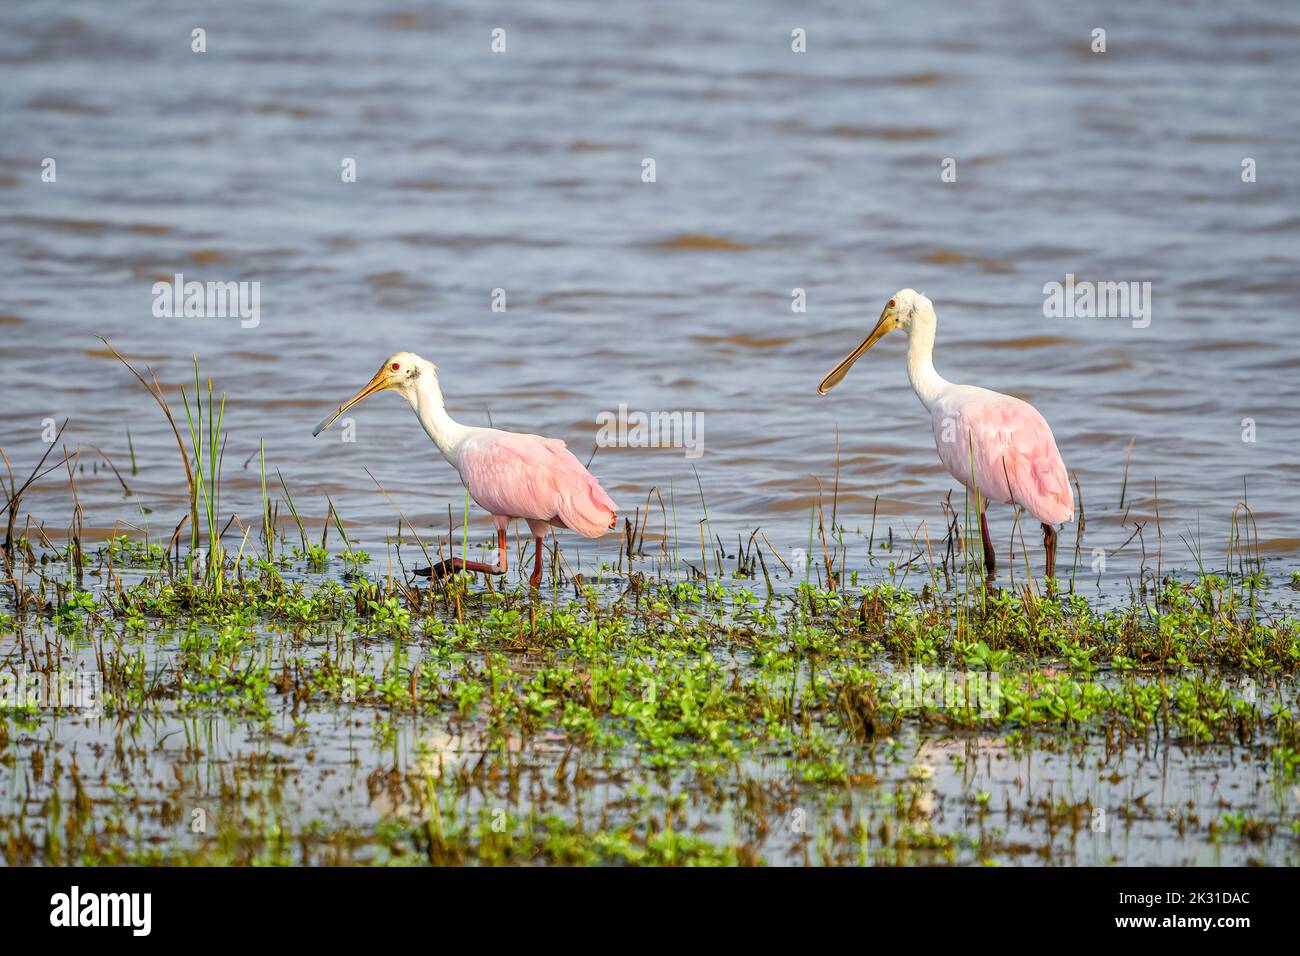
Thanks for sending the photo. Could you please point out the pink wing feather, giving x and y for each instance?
(1011, 447)
(527, 476)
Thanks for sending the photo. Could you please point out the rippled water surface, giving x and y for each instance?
(775, 171)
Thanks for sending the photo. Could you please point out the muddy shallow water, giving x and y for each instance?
(212, 773)
(774, 171)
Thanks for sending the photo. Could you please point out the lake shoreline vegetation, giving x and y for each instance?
(264, 696)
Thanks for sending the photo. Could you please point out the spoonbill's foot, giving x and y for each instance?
(452, 565)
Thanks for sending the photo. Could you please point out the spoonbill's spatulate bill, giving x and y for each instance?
(992, 443)
(510, 475)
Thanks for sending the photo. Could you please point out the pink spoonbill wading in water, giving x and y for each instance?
(510, 475)
(996, 445)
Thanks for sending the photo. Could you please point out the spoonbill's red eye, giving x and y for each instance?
(892, 303)
(396, 367)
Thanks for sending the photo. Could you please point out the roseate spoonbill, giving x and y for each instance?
(510, 475)
(1008, 444)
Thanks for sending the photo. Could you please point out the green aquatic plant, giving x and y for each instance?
(207, 447)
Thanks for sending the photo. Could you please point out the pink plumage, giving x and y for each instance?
(1011, 447)
(513, 475)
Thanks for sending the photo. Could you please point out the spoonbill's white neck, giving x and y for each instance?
(928, 384)
(425, 398)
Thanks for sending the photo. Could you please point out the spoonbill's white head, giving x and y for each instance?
(401, 372)
(908, 310)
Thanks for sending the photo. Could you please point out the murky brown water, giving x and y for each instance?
(775, 171)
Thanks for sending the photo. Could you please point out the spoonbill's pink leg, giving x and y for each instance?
(990, 561)
(536, 578)
(1049, 545)
(451, 565)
